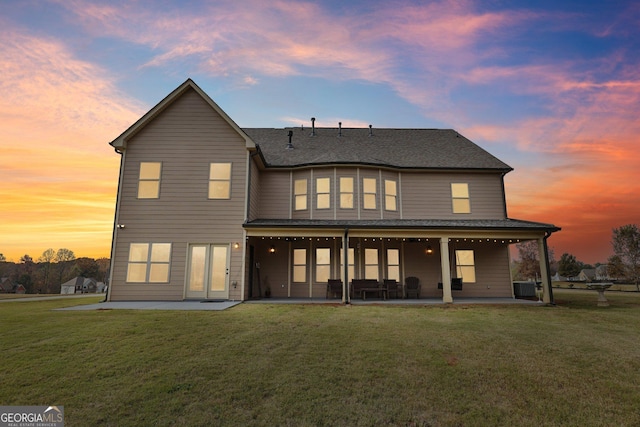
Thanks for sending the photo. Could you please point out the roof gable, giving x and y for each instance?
(120, 143)
(398, 148)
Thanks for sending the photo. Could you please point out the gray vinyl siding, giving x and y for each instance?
(275, 194)
(186, 138)
(493, 277)
(254, 192)
(428, 195)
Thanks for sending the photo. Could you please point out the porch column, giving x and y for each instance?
(543, 256)
(446, 270)
(345, 263)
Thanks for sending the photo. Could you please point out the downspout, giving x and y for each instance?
(114, 233)
(345, 284)
(546, 260)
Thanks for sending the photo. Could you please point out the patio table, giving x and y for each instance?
(383, 291)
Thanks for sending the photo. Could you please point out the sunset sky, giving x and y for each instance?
(552, 88)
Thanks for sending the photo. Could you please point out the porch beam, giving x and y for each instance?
(447, 297)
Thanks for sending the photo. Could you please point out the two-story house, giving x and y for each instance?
(209, 210)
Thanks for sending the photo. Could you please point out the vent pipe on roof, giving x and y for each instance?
(313, 126)
(290, 145)
(370, 130)
(339, 128)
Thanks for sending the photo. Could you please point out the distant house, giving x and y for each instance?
(209, 210)
(9, 287)
(587, 275)
(79, 285)
(6, 286)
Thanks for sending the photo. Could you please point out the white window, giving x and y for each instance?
(460, 197)
(369, 191)
(149, 263)
(300, 265)
(149, 183)
(390, 195)
(220, 181)
(323, 193)
(323, 264)
(393, 264)
(371, 263)
(350, 262)
(346, 193)
(465, 266)
(300, 194)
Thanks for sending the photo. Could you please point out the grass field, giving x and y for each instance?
(311, 365)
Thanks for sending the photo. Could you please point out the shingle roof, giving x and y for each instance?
(398, 148)
(439, 224)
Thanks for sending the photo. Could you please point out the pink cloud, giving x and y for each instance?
(57, 114)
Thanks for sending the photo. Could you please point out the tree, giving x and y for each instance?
(569, 266)
(46, 259)
(87, 267)
(63, 256)
(2, 258)
(626, 245)
(529, 266)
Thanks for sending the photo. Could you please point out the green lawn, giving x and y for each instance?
(572, 365)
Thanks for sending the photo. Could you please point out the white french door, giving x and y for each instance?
(208, 273)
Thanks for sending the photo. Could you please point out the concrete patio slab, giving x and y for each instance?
(156, 305)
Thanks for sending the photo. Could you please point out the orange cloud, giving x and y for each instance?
(57, 114)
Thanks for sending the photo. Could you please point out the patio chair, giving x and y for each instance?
(334, 288)
(393, 288)
(412, 287)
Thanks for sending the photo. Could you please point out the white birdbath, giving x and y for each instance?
(600, 287)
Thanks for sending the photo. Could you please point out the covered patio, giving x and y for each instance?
(453, 260)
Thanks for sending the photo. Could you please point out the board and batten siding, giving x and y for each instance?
(186, 137)
(427, 195)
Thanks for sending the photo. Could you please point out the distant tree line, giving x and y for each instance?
(51, 269)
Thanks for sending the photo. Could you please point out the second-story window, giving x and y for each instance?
(390, 195)
(346, 193)
(149, 183)
(460, 197)
(369, 191)
(300, 194)
(323, 193)
(220, 181)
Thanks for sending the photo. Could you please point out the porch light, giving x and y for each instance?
(236, 245)
(429, 250)
(272, 249)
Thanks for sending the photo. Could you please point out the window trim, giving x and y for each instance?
(217, 180)
(394, 196)
(144, 180)
(367, 265)
(327, 265)
(374, 194)
(460, 204)
(347, 193)
(460, 268)
(302, 265)
(149, 262)
(300, 196)
(326, 193)
(396, 266)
